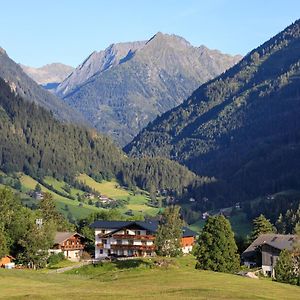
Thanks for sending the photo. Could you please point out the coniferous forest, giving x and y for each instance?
(34, 142)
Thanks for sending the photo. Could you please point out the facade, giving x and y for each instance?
(71, 244)
(265, 250)
(130, 239)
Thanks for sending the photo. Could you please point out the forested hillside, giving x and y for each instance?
(242, 127)
(34, 142)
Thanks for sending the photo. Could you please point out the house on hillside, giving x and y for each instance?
(71, 244)
(127, 238)
(8, 259)
(265, 250)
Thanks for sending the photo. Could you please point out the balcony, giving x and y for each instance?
(133, 247)
(72, 247)
(134, 237)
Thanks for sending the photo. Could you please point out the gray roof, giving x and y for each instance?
(278, 241)
(62, 236)
(151, 226)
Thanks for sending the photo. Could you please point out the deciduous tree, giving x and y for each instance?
(169, 233)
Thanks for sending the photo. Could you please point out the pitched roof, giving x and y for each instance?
(151, 226)
(62, 236)
(278, 241)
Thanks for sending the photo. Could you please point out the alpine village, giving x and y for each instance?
(155, 169)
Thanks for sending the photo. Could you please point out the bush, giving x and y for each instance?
(55, 258)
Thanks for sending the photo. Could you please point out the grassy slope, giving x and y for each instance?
(137, 203)
(239, 223)
(181, 281)
(58, 185)
(78, 212)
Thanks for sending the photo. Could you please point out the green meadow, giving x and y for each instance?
(140, 279)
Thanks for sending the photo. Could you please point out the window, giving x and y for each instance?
(103, 231)
(101, 251)
(104, 241)
(119, 242)
(130, 242)
(138, 232)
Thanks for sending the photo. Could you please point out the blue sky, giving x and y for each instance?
(36, 32)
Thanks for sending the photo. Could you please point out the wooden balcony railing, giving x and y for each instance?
(134, 237)
(100, 245)
(72, 247)
(133, 247)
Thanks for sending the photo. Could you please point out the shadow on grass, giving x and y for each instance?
(132, 263)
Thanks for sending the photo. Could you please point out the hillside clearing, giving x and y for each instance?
(29, 183)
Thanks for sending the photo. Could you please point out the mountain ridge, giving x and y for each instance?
(48, 74)
(27, 88)
(144, 80)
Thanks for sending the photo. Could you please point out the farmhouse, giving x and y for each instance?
(126, 238)
(5, 260)
(71, 244)
(265, 250)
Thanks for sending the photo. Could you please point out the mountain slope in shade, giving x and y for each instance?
(48, 74)
(124, 87)
(242, 127)
(28, 89)
(33, 141)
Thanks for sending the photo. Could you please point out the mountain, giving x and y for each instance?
(49, 76)
(124, 87)
(242, 127)
(98, 62)
(21, 84)
(34, 142)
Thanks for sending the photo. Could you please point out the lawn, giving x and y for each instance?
(139, 279)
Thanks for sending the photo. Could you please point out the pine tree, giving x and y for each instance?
(284, 269)
(169, 233)
(216, 249)
(261, 225)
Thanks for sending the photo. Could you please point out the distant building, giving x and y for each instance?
(5, 260)
(265, 250)
(36, 195)
(205, 215)
(127, 238)
(71, 244)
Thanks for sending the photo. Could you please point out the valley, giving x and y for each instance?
(157, 168)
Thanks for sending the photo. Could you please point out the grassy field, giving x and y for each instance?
(58, 186)
(29, 183)
(108, 188)
(137, 203)
(139, 280)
